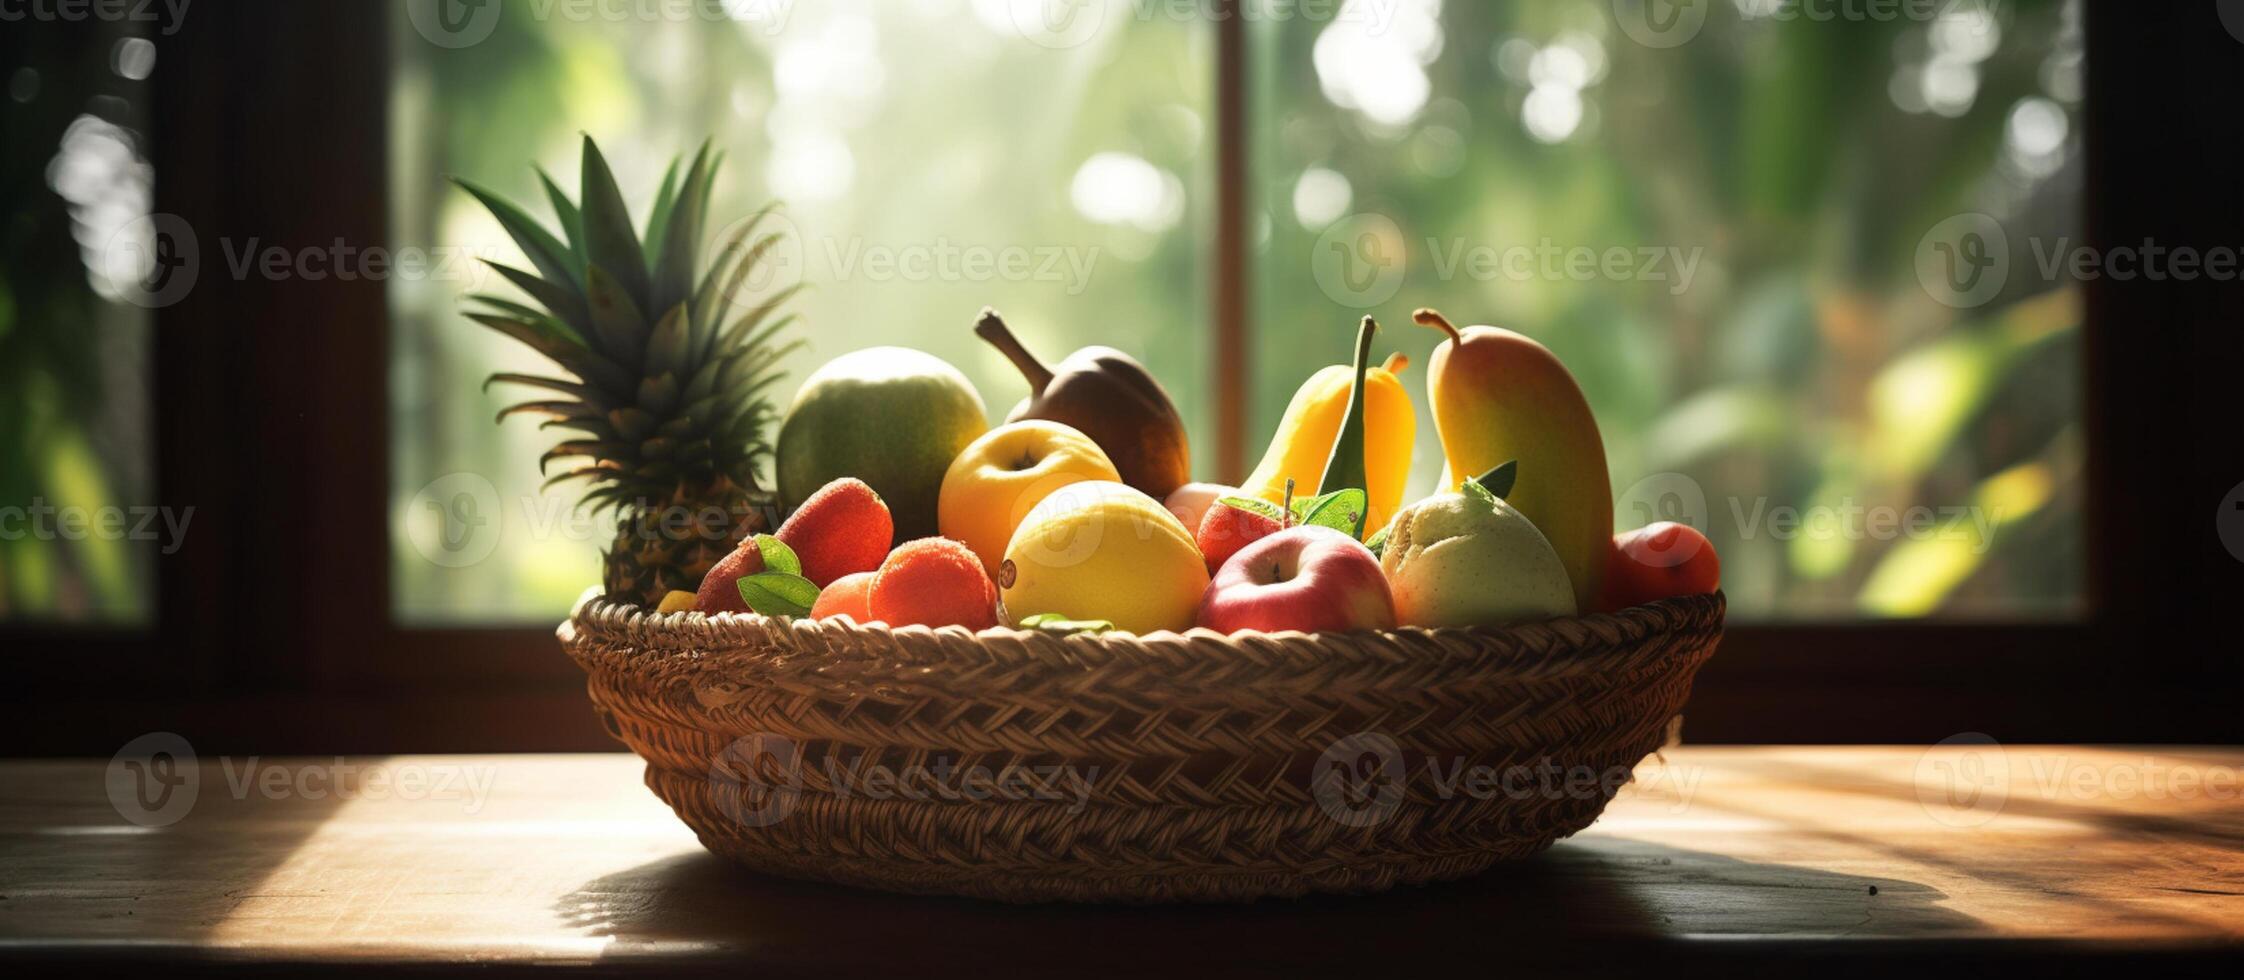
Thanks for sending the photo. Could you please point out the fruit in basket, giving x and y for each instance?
(1306, 434)
(1471, 559)
(843, 528)
(1103, 550)
(720, 589)
(1191, 501)
(1308, 578)
(1659, 561)
(663, 395)
(932, 582)
(999, 478)
(890, 416)
(848, 595)
(1234, 524)
(1497, 395)
(1109, 396)
(675, 601)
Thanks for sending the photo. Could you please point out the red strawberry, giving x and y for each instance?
(1226, 529)
(720, 589)
(841, 529)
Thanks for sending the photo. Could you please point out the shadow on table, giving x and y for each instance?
(1587, 901)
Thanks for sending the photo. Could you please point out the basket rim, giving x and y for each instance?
(1609, 646)
(592, 605)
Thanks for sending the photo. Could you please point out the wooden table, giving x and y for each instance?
(1719, 859)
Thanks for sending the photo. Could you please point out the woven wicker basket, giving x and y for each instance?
(1136, 768)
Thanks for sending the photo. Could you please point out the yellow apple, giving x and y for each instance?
(1101, 549)
(1000, 477)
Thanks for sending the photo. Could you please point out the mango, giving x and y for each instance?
(1306, 433)
(1100, 549)
(893, 417)
(1497, 395)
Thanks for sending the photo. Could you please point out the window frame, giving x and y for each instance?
(250, 96)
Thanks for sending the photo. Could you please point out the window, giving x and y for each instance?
(932, 160)
(1720, 236)
(1839, 342)
(75, 446)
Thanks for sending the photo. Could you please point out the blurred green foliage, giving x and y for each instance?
(1805, 369)
(73, 409)
(1798, 161)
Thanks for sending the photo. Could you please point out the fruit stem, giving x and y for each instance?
(1345, 468)
(1428, 318)
(992, 328)
(1285, 507)
(1396, 362)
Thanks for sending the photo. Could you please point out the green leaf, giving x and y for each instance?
(778, 557)
(610, 242)
(1378, 542)
(778, 593)
(666, 346)
(1498, 481)
(1345, 467)
(1342, 510)
(553, 259)
(572, 223)
(564, 304)
(1059, 623)
(1473, 489)
(658, 218)
(616, 320)
(681, 236)
(1254, 505)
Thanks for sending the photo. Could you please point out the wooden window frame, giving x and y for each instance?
(275, 630)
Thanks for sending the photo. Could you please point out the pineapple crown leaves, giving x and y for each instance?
(662, 391)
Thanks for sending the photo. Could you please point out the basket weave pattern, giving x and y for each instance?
(1148, 768)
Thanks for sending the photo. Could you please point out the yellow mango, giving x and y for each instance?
(1305, 436)
(1496, 395)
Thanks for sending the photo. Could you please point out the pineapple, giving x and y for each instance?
(666, 403)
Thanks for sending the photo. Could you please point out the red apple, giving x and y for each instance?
(1658, 561)
(1307, 578)
(1226, 529)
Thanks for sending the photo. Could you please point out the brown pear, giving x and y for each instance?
(1109, 396)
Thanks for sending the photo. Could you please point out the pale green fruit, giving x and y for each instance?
(1460, 560)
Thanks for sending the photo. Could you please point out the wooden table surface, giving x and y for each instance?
(2043, 857)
